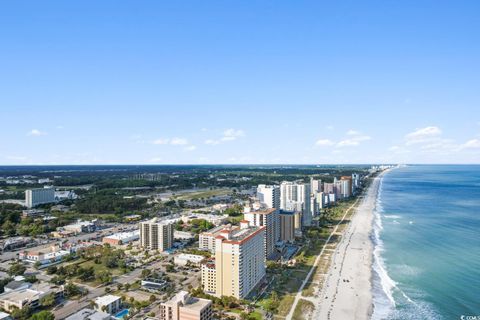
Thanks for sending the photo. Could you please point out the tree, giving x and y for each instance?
(9, 228)
(152, 298)
(31, 278)
(17, 269)
(58, 280)
(43, 315)
(21, 314)
(52, 269)
(71, 290)
(48, 300)
(273, 303)
(146, 273)
(103, 276)
(86, 274)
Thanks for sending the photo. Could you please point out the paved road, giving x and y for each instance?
(72, 306)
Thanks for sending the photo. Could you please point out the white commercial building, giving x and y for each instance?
(122, 237)
(31, 296)
(34, 197)
(183, 235)
(216, 219)
(89, 314)
(65, 195)
(269, 195)
(109, 303)
(44, 257)
(183, 258)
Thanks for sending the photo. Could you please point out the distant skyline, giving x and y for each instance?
(272, 82)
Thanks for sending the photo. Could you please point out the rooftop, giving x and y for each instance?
(266, 211)
(88, 314)
(124, 235)
(4, 315)
(191, 257)
(186, 301)
(215, 231)
(13, 285)
(162, 221)
(31, 293)
(106, 299)
(239, 235)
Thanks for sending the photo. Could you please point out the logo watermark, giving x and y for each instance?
(466, 317)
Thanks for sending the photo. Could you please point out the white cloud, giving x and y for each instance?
(173, 141)
(232, 134)
(190, 148)
(36, 133)
(155, 160)
(355, 138)
(471, 144)
(178, 141)
(348, 143)
(422, 135)
(161, 141)
(228, 135)
(352, 132)
(329, 127)
(211, 142)
(324, 143)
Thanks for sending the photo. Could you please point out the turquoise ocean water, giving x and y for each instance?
(427, 243)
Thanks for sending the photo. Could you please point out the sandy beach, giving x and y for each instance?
(346, 293)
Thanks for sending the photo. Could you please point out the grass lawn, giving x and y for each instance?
(203, 194)
(303, 309)
(255, 315)
(285, 304)
(97, 268)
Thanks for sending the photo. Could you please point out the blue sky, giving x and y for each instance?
(143, 82)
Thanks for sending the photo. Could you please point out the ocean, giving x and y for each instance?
(427, 243)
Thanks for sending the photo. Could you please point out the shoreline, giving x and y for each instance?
(347, 290)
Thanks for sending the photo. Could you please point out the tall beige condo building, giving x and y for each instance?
(239, 263)
(185, 307)
(206, 240)
(287, 226)
(156, 234)
(270, 220)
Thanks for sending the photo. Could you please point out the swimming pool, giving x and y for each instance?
(121, 314)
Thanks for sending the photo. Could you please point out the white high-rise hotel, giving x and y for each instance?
(296, 197)
(34, 197)
(269, 195)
